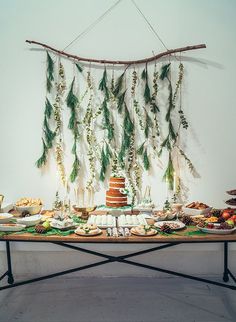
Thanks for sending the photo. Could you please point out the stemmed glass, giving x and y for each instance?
(177, 207)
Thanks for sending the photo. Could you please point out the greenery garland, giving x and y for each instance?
(50, 72)
(128, 129)
(115, 94)
(60, 90)
(106, 156)
(90, 136)
(72, 102)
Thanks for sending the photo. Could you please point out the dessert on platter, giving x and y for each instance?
(143, 230)
(118, 232)
(131, 220)
(173, 225)
(30, 205)
(88, 230)
(196, 208)
(212, 228)
(115, 197)
(102, 221)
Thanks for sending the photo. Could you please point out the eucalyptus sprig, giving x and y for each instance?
(75, 168)
(134, 82)
(191, 167)
(169, 173)
(43, 158)
(103, 86)
(119, 85)
(73, 103)
(128, 128)
(60, 162)
(107, 122)
(147, 93)
(48, 133)
(142, 151)
(106, 156)
(139, 114)
(50, 72)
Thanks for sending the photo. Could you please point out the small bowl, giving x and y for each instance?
(33, 210)
(30, 221)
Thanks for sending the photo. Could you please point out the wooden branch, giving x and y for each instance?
(118, 62)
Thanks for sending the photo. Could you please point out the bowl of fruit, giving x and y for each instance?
(219, 222)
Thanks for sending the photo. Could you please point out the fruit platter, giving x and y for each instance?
(221, 229)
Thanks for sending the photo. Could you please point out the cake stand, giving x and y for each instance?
(85, 211)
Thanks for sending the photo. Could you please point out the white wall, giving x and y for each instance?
(209, 97)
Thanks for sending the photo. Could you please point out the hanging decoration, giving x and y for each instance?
(122, 122)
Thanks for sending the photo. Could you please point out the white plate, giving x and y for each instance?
(13, 227)
(151, 232)
(217, 231)
(5, 218)
(196, 212)
(55, 225)
(168, 222)
(81, 232)
(30, 221)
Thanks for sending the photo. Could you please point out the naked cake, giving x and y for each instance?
(114, 196)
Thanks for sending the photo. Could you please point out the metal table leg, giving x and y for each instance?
(10, 279)
(226, 272)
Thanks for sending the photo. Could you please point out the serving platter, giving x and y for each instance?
(29, 221)
(174, 225)
(216, 231)
(11, 227)
(81, 232)
(150, 232)
(5, 218)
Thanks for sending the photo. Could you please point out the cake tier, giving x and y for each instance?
(117, 183)
(117, 179)
(114, 185)
(116, 205)
(114, 193)
(116, 199)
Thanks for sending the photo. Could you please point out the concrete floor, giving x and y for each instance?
(118, 299)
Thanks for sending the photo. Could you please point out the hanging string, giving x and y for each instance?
(149, 24)
(92, 25)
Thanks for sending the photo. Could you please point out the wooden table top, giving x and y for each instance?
(179, 236)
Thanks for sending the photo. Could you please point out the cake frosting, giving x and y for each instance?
(114, 197)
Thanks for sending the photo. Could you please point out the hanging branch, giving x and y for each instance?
(118, 62)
